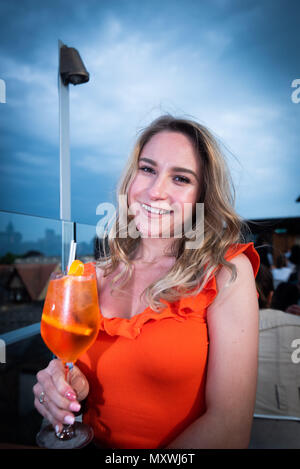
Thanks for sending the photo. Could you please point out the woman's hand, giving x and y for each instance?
(55, 399)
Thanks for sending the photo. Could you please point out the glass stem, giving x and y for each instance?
(68, 430)
(68, 368)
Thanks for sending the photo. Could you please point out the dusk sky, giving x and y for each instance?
(229, 64)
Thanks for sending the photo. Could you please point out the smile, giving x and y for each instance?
(157, 211)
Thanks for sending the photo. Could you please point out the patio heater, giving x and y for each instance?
(71, 70)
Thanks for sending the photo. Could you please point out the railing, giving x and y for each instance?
(276, 417)
(31, 247)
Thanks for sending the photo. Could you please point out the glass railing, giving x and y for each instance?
(31, 248)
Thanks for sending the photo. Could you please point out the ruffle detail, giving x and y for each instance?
(194, 306)
(250, 252)
(132, 327)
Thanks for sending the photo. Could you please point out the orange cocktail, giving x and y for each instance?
(70, 320)
(69, 325)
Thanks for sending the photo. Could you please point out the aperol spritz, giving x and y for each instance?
(69, 326)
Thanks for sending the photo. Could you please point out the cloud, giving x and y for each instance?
(223, 70)
(31, 160)
(101, 164)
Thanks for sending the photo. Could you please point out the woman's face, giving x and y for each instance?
(166, 187)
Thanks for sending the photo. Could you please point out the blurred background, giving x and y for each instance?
(229, 64)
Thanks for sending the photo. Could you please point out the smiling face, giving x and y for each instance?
(166, 186)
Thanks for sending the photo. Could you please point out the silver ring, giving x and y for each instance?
(42, 397)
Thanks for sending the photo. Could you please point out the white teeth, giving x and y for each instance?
(155, 210)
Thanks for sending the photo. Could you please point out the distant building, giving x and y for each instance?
(50, 245)
(25, 282)
(6, 272)
(10, 240)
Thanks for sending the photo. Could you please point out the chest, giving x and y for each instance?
(166, 351)
(127, 301)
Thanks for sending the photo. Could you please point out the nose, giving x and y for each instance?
(158, 188)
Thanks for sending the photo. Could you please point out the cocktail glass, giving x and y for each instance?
(69, 326)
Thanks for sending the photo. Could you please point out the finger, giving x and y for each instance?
(48, 385)
(51, 385)
(56, 371)
(38, 391)
(79, 383)
(51, 412)
(42, 409)
(59, 415)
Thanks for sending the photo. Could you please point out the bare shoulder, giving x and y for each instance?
(243, 267)
(238, 296)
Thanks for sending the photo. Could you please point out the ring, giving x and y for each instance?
(42, 397)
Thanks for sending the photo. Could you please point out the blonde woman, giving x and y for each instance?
(175, 362)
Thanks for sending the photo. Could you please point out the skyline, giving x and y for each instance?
(48, 244)
(228, 64)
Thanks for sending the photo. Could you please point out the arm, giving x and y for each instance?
(293, 309)
(232, 365)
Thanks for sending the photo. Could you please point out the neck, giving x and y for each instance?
(154, 250)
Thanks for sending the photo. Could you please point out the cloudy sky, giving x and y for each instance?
(226, 63)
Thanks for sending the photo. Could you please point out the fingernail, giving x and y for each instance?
(69, 419)
(74, 406)
(70, 395)
(57, 429)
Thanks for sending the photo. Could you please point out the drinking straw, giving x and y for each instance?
(72, 253)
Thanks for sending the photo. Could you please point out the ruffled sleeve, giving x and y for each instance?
(199, 303)
(247, 249)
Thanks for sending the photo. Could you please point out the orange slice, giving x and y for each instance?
(76, 268)
(73, 328)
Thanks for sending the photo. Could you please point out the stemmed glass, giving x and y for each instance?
(69, 326)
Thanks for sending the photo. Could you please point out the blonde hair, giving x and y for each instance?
(222, 226)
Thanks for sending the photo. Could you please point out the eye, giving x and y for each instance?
(146, 169)
(183, 179)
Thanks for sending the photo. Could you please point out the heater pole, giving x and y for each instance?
(65, 166)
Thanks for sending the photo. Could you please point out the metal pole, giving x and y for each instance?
(65, 167)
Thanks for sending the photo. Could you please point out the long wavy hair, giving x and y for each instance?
(222, 226)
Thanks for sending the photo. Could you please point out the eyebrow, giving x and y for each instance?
(174, 168)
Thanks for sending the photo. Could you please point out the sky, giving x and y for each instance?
(229, 64)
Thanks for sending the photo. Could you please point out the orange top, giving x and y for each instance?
(147, 374)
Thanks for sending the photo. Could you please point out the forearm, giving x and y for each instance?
(212, 432)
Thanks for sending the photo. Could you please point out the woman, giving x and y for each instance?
(175, 362)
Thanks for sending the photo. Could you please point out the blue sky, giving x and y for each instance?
(226, 63)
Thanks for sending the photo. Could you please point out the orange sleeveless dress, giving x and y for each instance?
(147, 374)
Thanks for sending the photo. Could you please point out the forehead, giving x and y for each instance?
(172, 148)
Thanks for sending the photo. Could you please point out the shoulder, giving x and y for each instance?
(244, 271)
(236, 298)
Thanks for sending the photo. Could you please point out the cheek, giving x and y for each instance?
(189, 197)
(132, 191)
(186, 203)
